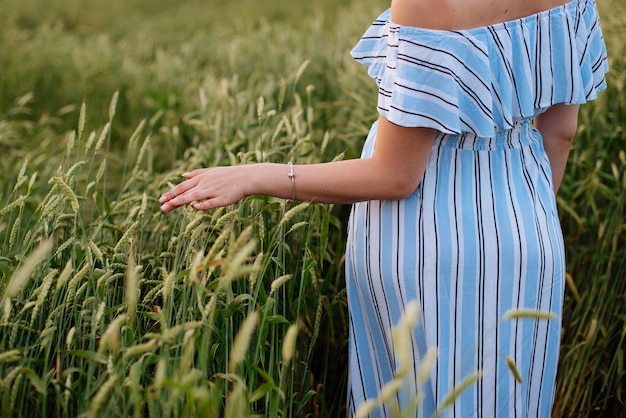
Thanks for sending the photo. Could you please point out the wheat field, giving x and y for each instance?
(109, 308)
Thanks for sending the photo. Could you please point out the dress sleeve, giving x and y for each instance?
(440, 82)
(592, 51)
(485, 79)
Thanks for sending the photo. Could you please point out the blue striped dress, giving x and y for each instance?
(480, 236)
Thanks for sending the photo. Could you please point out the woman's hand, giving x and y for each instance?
(208, 187)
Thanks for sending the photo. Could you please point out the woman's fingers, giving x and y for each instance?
(172, 194)
(194, 173)
(206, 188)
(205, 205)
(178, 195)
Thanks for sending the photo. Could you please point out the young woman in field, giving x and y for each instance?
(454, 197)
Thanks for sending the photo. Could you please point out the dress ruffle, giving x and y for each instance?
(485, 79)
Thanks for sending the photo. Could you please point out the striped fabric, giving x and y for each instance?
(484, 79)
(480, 236)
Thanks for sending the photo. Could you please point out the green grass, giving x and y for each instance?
(110, 308)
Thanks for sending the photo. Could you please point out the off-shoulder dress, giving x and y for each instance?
(480, 237)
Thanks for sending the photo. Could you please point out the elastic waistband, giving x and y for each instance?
(520, 135)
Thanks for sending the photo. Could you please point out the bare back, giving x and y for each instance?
(464, 14)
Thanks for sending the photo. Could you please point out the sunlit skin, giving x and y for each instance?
(393, 172)
(401, 154)
(464, 14)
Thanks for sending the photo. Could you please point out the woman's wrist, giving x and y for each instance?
(271, 179)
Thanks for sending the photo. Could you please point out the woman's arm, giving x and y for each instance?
(393, 172)
(558, 126)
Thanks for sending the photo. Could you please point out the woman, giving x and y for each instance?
(454, 198)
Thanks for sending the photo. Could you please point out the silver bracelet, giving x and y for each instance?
(292, 176)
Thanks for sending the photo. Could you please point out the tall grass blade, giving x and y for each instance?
(22, 275)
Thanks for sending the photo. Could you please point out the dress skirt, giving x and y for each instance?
(477, 246)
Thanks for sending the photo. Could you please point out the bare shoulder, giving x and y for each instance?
(464, 14)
